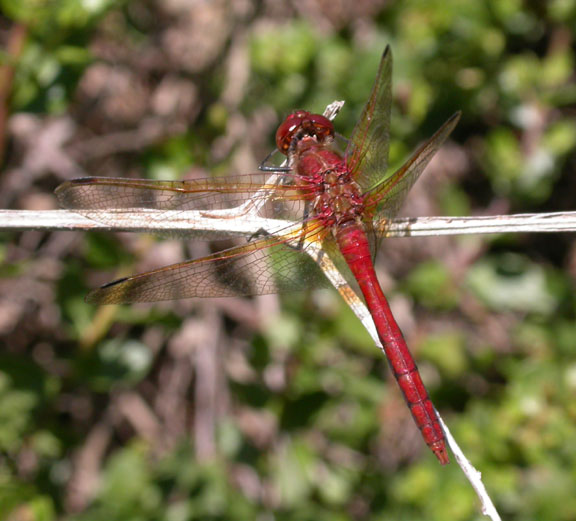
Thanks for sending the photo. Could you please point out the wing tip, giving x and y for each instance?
(455, 117)
(60, 188)
(450, 123)
(113, 283)
(102, 296)
(76, 181)
(62, 191)
(386, 55)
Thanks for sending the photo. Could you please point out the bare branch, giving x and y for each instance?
(516, 223)
(473, 475)
(194, 223)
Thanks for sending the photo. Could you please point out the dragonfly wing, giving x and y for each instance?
(265, 266)
(367, 151)
(96, 196)
(390, 194)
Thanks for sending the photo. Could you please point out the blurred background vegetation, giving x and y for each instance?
(281, 407)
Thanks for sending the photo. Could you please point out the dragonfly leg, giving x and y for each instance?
(274, 169)
(263, 167)
(258, 234)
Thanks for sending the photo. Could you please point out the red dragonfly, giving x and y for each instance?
(340, 202)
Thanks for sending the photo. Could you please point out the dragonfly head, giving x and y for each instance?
(302, 124)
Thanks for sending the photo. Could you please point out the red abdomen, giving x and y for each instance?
(354, 247)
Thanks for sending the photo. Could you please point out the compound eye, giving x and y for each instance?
(286, 131)
(303, 123)
(323, 127)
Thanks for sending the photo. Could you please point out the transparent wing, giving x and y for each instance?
(367, 151)
(90, 194)
(389, 195)
(269, 265)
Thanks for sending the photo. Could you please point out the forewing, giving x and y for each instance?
(265, 266)
(96, 196)
(367, 151)
(389, 196)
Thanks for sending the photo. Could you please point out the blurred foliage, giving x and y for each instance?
(112, 414)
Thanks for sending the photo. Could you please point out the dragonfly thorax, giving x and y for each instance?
(323, 172)
(339, 199)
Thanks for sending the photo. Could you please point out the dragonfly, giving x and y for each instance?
(341, 202)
